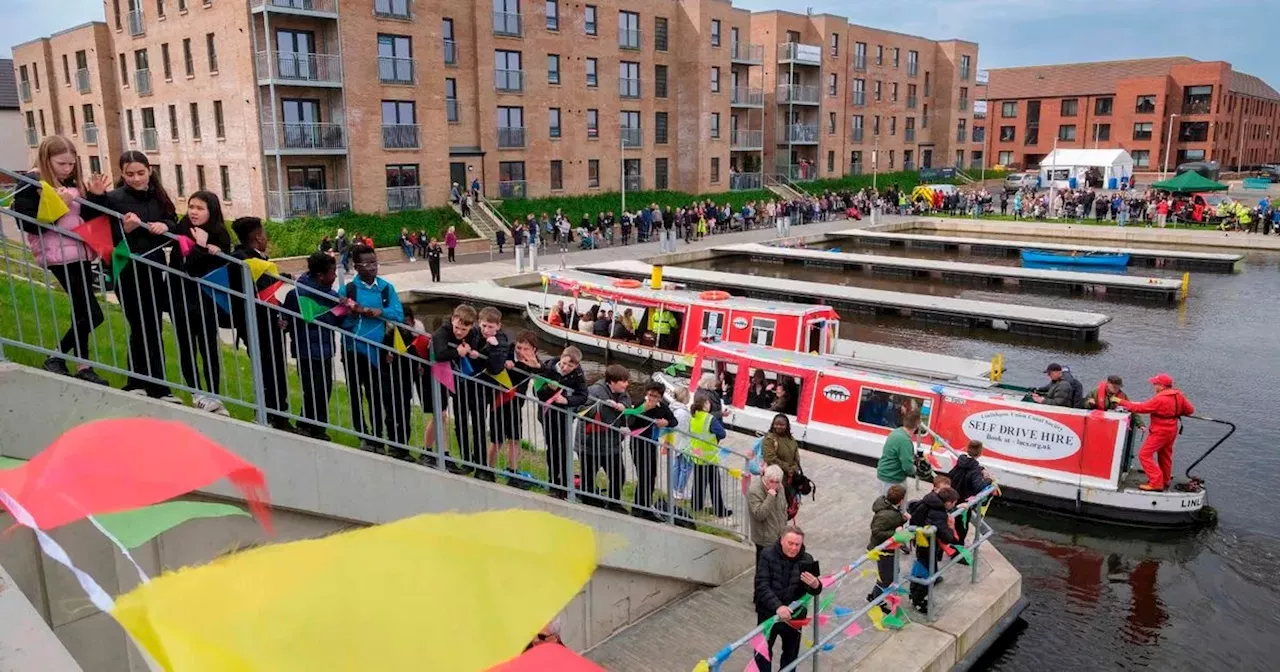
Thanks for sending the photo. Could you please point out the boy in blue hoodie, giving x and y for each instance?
(374, 305)
(313, 340)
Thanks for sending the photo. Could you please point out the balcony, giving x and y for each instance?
(798, 95)
(307, 203)
(860, 62)
(633, 183)
(909, 134)
(960, 135)
(856, 134)
(150, 140)
(796, 172)
(90, 134)
(451, 110)
(24, 91)
(743, 140)
(299, 69)
(399, 136)
(628, 87)
(510, 137)
(746, 54)
(631, 137)
(404, 198)
(508, 80)
(83, 83)
(33, 138)
(628, 38)
(304, 138)
(798, 134)
(859, 98)
(393, 70)
(963, 105)
(1197, 107)
(911, 102)
(506, 24)
(855, 168)
(391, 9)
(450, 52)
(964, 74)
(800, 54)
(745, 181)
(514, 189)
(318, 8)
(142, 81)
(135, 22)
(913, 70)
(746, 96)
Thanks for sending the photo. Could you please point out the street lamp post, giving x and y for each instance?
(1168, 144)
(1240, 148)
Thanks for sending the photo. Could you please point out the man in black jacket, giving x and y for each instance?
(270, 337)
(656, 416)
(455, 342)
(782, 577)
(933, 509)
(564, 391)
(968, 478)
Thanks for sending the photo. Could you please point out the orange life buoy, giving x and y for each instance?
(714, 295)
(628, 283)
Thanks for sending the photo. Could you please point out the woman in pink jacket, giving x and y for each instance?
(66, 258)
(451, 243)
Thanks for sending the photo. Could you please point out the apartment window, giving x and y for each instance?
(557, 175)
(1102, 106)
(213, 52)
(964, 98)
(859, 92)
(879, 90)
(165, 63)
(893, 125)
(893, 92)
(1141, 158)
(629, 125)
(128, 122)
(173, 122)
(1197, 99)
(398, 9)
(1142, 130)
(860, 56)
(553, 68)
(660, 81)
(660, 128)
(1194, 131)
(511, 127)
(715, 124)
(793, 37)
(831, 162)
(124, 71)
(219, 127)
(71, 109)
(160, 8)
(224, 172)
(593, 123)
(715, 79)
(200, 184)
(1145, 105)
(1102, 132)
(1007, 134)
(590, 25)
(857, 127)
(553, 122)
(399, 124)
(911, 96)
(964, 68)
(451, 99)
(659, 33)
(715, 170)
(835, 44)
(628, 30)
(913, 63)
(831, 123)
(1067, 132)
(66, 70)
(660, 174)
(924, 116)
(188, 62)
(179, 178)
(508, 71)
(1069, 107)
(553, 19)
(928, 85)
(592, 79)
(395, 59)
(715, 32)
(593, 173)
(875, 125)
(879, 54)
(182, 6)
(450, 45)
(896, 54)
(628, 79)
(891, 153)
(1031, 134)
(1006, 158)
(35, 73)
(195, 122)
(87, 112)
(115, 10)
(832, 84)
(1008, 110)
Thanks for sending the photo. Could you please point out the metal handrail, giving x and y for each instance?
(1231, 429)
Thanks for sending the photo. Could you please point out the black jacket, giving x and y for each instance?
(200, 262)
(660, 412)
(778, 579)
(26, 201)
(574, 385)
(929, 510)
(966, 477)
(148, 207)
(444, 345)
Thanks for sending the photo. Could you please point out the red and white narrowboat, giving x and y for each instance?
(671, 322)
(1070, 460)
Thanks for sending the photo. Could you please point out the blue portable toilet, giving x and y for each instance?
(1111, 184)
(1071, 182)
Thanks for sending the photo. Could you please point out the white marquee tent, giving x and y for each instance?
(1061, 165)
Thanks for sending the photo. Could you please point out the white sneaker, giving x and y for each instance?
(171, 399)
(139, 392)
(210, 405)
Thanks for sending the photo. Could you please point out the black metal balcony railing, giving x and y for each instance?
(510, 137)
(136, 23)
(631, 137)
(856, 134)
(908, 165)
(507, 24)
(303, 136)
(24, 91)
(860, 62)
(633, 183)
(33, 138)
(747, 96)
(508, 80)
(964, 74)
(964, 104)
(628, 38)
(394, 70)
(404, 198)
(798, 94)
(142, 81)
(742, 139)
(512, 189)
(855, 168)
(450, 52)
(399, 136)
(150, 140)
(859, 98)
(909, 135)
(451, 110)
(745, 181)
(629, 87)
(303, 67)
(90, 134)
(302, 202)
(798, 133)
(913, 69)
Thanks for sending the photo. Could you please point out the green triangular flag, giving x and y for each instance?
(309, 308)
(672, 370)
(538, 383)
(964, 553)
(826, 602)
(893, 621)
(138, 526)
(902, 537)
(119, 259)
(638, 410)
(768, 626)
(964, 516)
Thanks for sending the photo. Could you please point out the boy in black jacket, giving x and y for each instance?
(563, 392)
(508, 411)
(933, 509)
(454, 342)
(489, 356)
(968, 478)
(644, 447)
(270, 337)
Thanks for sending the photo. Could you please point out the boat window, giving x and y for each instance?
(712, 326)
(886, 409)
(662, 330)
(762, 331)
(779, 392)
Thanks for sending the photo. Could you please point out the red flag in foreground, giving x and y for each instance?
(97, 235)
(106, 466)
(548, 658)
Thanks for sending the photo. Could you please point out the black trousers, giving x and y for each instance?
(364, 386)
(885, 567)
(452, 252)
(195, 330)
(275, 391)
(554, 427)
(707, 476)
(644, 455)
(141, 291)
(610, 460)
(790, 643)
(397, 396)
(76, 279)
(470, 410)
(316, 377)
(434, 264)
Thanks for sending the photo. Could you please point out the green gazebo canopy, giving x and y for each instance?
(1189, 182)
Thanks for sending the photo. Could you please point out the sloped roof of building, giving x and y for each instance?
(1074, 79)
(8, 85)
(1252, 86)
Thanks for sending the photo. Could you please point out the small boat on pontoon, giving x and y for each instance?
(1065, 459)
(1095, 259)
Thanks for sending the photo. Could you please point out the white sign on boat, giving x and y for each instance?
(1022, 435)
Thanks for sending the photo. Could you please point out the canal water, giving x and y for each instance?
(1104, 597)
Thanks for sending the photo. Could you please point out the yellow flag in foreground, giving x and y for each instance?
(397, 341)
(433, 592)
(51, 206)
(259, 266)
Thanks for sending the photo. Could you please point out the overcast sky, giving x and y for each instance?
(1009, 32)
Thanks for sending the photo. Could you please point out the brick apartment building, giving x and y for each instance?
(293, 107)
(1216, 113)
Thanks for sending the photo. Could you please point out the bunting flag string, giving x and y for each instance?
(97, 235)
(220, 277)
(97, 596)
(443, 374)
(259, 266)
(51, 207)
(397, 341)
(921, 538)
(464, 365)
(186, 245)
(310, 309)
(876, 614)
(761, 646)
(503, 378)
(268, 293)
(119, 259)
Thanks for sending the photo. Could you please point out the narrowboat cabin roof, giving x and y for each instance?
(605, 285)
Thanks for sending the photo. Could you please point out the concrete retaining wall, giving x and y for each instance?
(316, 489)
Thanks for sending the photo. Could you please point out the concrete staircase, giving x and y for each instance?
(784, 188)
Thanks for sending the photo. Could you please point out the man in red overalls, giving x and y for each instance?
(1165, 408)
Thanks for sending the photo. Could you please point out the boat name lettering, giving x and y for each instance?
(1022, 435)
(1192, 503)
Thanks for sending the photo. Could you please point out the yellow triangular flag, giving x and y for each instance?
(259, 266)
(702, 666)
(51, 205)
(735, 474)
(876, 614)
(397, 341)
(503, 378)
(921, 539)
(875, 554)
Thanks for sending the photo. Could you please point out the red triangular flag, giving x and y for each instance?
(97, 235)
(268, 293)
(507, 395)
(185, 245)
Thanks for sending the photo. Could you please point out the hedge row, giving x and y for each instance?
(297, 237)
(575, 206)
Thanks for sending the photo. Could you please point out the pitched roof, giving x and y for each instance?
(8, 85)
(1252, 86)
(1074, 79)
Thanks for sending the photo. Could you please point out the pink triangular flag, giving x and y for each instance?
(852, 630)
(823, 619)
(443, 373)
(185, 245)
(751, 665)
(892, 601)
(761, 646)
(828, 580)
(340, 310)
